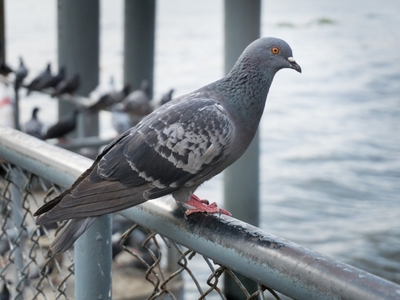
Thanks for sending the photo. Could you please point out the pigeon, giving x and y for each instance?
(62, 127)
(137, 104)
(174, 149)
(5, 293)
(20, 74)
(53, 81)
(34, 127)
(120, 120)
(68, 86)
(5, 69)
(101, 90)
(37, 81)
(135, 100)
(109, 99)
(166, 97)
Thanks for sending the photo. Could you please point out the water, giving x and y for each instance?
(330, 137)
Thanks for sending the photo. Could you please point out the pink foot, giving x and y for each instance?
(204, 206)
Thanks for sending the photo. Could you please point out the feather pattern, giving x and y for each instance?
(175, 148)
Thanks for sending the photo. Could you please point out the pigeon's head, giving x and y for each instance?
(269, 54)
(34, 112)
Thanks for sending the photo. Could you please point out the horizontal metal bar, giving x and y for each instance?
(293, 270)
(286, 267)
(53, 163)
(80, 142)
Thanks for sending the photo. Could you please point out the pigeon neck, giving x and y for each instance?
(246, 91)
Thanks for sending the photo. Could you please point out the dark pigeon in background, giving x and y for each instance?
(137, 104)
(5, 69)
(20, 74)
(62, 127)
(5, 293)
(34, 127)
(138, 98)
(166, 97)
(68, 86)
(53, 81)
(37, 81)
(176, 148)
(109, 99)
(102, 89)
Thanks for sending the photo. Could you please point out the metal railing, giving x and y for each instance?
(32, 171)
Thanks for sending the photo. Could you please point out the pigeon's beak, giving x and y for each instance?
(293, 64)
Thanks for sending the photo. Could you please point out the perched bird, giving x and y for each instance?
(53, 81)
(5, 293)
(137, 104)
(37, 81)
(166, 97)
(102, 89)
(109, 99)
(5, 69)
(120, 120)
(34, 127)
(62, 127)
(68, 86)
(176, 148)
(20, 74)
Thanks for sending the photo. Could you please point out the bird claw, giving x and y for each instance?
(202, 205)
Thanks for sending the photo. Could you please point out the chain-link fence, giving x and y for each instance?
(146, 264)
(157, 253)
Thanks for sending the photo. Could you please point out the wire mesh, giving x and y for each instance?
(146, 265)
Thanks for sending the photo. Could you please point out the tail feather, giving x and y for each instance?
(70, 233)
(114, 203)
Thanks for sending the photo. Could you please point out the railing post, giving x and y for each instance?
(139, 34)
(78, 51)
(93, 261)
(241, 180)
(2, 32)
(17, 219)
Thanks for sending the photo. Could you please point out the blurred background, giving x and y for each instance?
(330, 137)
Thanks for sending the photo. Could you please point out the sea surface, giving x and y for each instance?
(330, 137)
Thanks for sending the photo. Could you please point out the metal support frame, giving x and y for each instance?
(286, 267)
(241, 180)
(17, 219)
(139, 35)
(2, 32)
(78, 51)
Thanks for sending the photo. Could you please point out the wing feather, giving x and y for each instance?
(171, 148)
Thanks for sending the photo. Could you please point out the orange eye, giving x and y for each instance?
(275, 50)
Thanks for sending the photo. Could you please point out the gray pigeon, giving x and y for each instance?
(20, 74)
(166, 97)
(120, 120)
(109, 99)
(53, 81)
(34, 127)
(67, 86)
(36, 83)
(176, 148)
(137, 104)
(63, 126)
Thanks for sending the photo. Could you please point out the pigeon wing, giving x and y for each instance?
(178, 144)
(172, 146)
